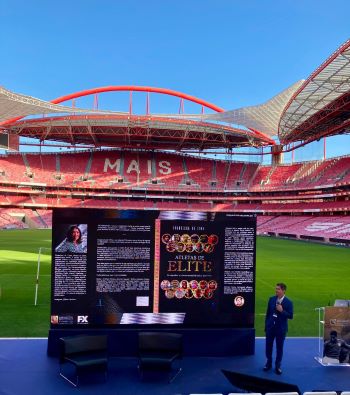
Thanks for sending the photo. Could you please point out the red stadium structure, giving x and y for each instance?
(157, 161)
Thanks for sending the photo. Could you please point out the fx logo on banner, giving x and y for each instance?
(83, 319)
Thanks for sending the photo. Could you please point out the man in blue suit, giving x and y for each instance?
(279, 311)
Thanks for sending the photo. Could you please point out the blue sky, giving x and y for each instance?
(232, 53)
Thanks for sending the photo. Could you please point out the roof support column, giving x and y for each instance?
(277, 154)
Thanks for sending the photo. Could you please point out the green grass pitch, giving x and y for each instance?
(315, 274)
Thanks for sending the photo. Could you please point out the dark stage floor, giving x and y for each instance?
(25, 368)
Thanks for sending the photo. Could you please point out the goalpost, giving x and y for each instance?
(42, 250)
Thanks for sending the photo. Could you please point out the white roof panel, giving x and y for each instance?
(264, 117)
(13, 105)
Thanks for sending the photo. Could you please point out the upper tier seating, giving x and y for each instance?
(116, 169)
(12, 168)
(42, 168)
(261, 177)
(170, 171)
(73, 167)
(281, 174)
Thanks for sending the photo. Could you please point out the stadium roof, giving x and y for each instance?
(14, 105)
(134, 131)
(321, 105)
(121, 129)
(306, 111)
(264, 117)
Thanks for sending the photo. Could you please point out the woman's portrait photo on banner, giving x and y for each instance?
(74, 239)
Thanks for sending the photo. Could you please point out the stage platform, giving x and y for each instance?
(26, 368)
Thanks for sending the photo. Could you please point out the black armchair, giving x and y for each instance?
(158, 351)
(85, 353)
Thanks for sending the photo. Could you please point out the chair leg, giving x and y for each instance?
(75, 384)
(140, 372)
(66, 378)
(172, 378)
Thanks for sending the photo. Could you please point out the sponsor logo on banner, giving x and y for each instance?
(239, 301)
(66, 319)
(82, 319)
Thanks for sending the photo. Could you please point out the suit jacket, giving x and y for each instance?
(279, 323)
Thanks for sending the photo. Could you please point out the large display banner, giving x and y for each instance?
(132, 267)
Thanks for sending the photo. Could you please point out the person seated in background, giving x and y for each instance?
(335, 350)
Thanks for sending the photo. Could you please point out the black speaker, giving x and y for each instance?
(257, 384)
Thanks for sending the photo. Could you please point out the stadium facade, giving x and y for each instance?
(157, 161)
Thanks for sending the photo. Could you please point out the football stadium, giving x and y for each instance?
(182, 166)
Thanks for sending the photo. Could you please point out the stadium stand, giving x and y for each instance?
(45, 217)
(72, 168)
(14, 169)
(170, 171)
(261, 177)
(103, 169)
(281, 174)
(12, 219)
(199, 172)
(303, 200)
(324, 227)
(42, 168)
(249, 173)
